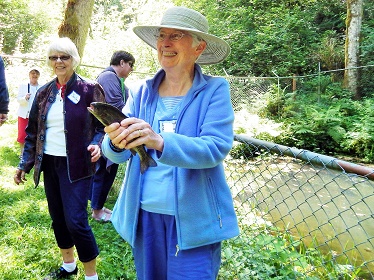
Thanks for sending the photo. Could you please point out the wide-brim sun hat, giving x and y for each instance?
(186, 19)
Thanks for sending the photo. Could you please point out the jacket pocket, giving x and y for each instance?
(215, 202)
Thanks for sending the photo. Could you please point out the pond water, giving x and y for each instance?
(327, 209)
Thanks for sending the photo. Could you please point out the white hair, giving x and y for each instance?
(64, 45)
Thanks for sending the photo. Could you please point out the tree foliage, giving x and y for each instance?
(285, 37)
(282, 36)
(19, 26)
(367, 49)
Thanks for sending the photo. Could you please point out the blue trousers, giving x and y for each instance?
(102, 182)
(67, 205)
(157, 257)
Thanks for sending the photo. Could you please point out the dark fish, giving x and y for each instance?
(108, 114)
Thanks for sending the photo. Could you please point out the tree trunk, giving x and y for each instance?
(77, 22)
(352, 46)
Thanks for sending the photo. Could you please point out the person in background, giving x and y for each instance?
(116, 93)
(63, 141)
(175, 215)
(25, 97)
(4, 94)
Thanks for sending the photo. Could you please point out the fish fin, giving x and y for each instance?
(147, 162)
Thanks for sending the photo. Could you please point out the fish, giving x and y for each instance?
(108, 114)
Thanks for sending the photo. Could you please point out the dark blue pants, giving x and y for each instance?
(157, 257)
(67, 204)
(102, 182)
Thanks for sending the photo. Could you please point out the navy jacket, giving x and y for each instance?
(4, 94)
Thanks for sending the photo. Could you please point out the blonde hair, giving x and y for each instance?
(64, 45)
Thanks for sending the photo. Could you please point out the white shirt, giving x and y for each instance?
(55, 142)
(25, 105)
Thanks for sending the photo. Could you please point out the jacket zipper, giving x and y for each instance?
(176, 253)
(219, 218)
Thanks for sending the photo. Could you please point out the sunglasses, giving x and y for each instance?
(131, 64)
(62, 57)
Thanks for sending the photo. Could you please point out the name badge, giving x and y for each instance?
(168, 126)
(74, 97)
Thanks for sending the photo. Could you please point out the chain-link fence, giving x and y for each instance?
(302, 216)
(246, 90)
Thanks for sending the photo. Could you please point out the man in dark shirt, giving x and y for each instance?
(116, 93)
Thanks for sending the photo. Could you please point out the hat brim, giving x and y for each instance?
(216, 50)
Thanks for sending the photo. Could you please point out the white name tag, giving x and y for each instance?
(168, 126)
(74, 97)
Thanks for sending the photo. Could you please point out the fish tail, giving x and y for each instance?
(148, 161)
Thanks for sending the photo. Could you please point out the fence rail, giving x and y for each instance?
(323, 213)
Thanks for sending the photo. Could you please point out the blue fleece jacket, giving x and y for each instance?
(202, 139)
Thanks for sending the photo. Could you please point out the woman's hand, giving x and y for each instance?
(95, 152)
(19, 177)
(133, 132)
(114, 133)
(3, 118)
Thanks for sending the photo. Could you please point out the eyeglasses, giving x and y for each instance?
(62, 57)
(131, 64)
(176, 36)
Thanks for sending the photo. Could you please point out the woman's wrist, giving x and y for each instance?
(115, 148)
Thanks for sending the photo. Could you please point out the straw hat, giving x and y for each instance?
(192, 21)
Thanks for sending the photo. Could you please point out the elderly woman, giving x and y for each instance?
(175, 215)
(62, 141)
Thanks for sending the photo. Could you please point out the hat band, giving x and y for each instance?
(184, 21)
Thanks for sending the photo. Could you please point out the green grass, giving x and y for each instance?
(27, 244)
